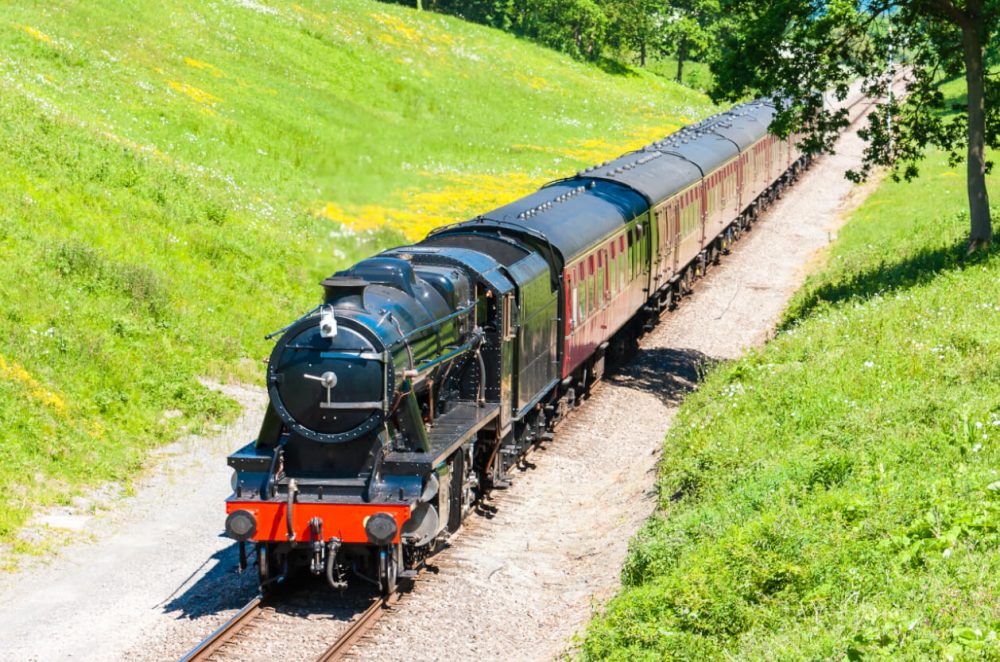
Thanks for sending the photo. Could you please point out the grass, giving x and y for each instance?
(696, 75)
(177, 178)
(836, 494)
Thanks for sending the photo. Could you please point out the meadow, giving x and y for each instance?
(696, 75)
(836, 493)
(178, 177)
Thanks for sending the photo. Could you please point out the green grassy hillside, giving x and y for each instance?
(836, 495)
(177, 177)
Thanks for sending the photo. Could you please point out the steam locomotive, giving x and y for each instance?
(428, 371)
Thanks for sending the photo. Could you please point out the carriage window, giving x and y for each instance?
(575, 307)
(613, 264)
(591, 278)
(640, 253)
(631, 258)
(600, 287)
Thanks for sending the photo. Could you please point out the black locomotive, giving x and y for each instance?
(429, 370)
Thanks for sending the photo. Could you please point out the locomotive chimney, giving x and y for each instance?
(344, 291)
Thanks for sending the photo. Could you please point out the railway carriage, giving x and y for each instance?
(428, 371)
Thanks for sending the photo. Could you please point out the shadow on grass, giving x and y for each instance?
(614, 67)
(669, 374)
(887, 277)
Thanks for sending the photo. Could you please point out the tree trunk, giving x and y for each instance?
(979, 205)
(681, 53)
(642, 54)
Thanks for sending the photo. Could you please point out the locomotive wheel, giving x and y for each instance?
(268, 568)
(389, 559)
(685, 283)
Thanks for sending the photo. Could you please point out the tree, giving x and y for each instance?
(797, 49)
(635, 26)
(576, 27)
(689, 30)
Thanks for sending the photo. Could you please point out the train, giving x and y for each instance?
(428, 371)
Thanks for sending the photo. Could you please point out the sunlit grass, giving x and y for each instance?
(836, 494)
(178, 177)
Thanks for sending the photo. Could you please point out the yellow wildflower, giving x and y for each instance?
(308, 13)
(199, 95)
(13, 372)
(37, 34)
(205, 66)
(396, 25)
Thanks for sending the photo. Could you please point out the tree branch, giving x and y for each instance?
(948, 8)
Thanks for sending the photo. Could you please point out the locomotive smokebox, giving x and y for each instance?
(330, 389)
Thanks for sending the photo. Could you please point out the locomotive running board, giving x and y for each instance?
(452, 429)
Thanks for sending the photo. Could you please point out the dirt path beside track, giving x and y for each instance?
(158, 576)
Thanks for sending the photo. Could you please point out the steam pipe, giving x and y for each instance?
(482, 377)
(437, 322)
(416, 372)
(332, 548)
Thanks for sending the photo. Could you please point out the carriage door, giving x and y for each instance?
(670, 232)
(741, 181)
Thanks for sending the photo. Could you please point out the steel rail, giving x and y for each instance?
(896, 78)
(358, 627)
(211, 645)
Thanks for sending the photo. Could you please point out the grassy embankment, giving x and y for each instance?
(836, 494)
(177, 178)
(696, 75)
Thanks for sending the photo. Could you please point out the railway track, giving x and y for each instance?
(227, 632)
(242, 621)
(362, 624)
(853, 118)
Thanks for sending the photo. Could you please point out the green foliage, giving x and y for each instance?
(163, 169)
(696, 75)
(800, 50)
(575, 27)
(836, 494)
(691, 31)
(636, 26)
(592, 29)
